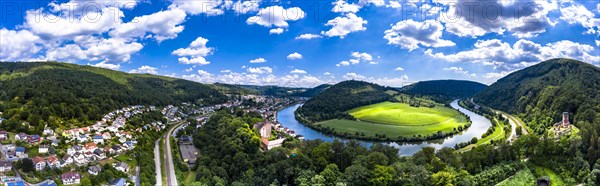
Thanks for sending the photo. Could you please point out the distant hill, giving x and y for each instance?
(65, 94)
(233, 89)
(540, 93)
(444, 90)
(271, 90)
(334, 101)
(312, 92)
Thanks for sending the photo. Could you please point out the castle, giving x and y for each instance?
(563, 127)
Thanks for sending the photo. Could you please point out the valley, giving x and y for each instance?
(352, 132)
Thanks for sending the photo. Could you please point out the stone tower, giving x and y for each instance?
(565, 121)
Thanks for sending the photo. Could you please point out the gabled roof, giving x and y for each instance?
(70, 175)
(52, 159)
(37, 160)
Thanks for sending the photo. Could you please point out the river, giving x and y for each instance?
(478, 127)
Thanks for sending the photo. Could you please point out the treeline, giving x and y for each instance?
(385, 138)
(444, 91)
(334, 101)
(230, 156)
(70, 95)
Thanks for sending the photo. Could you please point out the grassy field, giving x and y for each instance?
(497, 134)
(398, 119)
(555, 179)
(404, 115)
(522, 178)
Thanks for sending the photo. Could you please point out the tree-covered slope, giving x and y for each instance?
(66, 94)
(312, 92)
(337, 99)
(444, 90)
(540, 93)
(233, 89)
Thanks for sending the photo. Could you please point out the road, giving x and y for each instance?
(137, 175)
(171, 177)
(157, 163)
(514, 122)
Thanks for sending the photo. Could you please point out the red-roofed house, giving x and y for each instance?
(39, 162)
(90, 147)
(53, 162)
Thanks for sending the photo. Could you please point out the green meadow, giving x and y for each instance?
(398, 119)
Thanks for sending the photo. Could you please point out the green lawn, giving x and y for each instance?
(398, 119)
(555, 179)
(522, 178)
(497, 134)
(404, 115)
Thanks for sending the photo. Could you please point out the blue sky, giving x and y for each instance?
(303, 43)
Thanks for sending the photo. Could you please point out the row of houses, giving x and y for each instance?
(74, 178)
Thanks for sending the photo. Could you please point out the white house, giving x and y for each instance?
(43, 149)
(53, 162)
(120, 166)
(5, 166)
(71, 178)
(67, 159)
(39, 162)
(268, 145)
(94, 170)
(98, 139)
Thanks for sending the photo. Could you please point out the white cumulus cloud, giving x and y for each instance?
(294, 56)
(145, 69)
(276, 31)
(258, 60)
(342, 26)
(308, 36)
(260, 70)
(161, 25)
(298, 71)
(195, 53)
(410, 34)
(276, 16)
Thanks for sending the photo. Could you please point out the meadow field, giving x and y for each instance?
(398, 119)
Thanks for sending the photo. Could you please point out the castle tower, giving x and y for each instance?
(565, 117)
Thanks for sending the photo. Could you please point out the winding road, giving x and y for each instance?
(514, 122)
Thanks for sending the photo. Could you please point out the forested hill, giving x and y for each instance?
(312, 92)
(444, 90)
(65, 94)
(337, 99)
(543, 91)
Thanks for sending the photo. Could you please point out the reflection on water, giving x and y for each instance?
(478, 127)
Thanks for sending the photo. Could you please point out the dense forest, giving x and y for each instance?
(230, 156)
(444, 91)
(232, 89)
(62, 94)
(277, 91)
(312, 92)
(540, 93)
(337, 99)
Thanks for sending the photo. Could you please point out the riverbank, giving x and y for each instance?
(479, 126)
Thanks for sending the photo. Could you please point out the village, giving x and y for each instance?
(107, 141)
(272, 133)
(75, 147)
